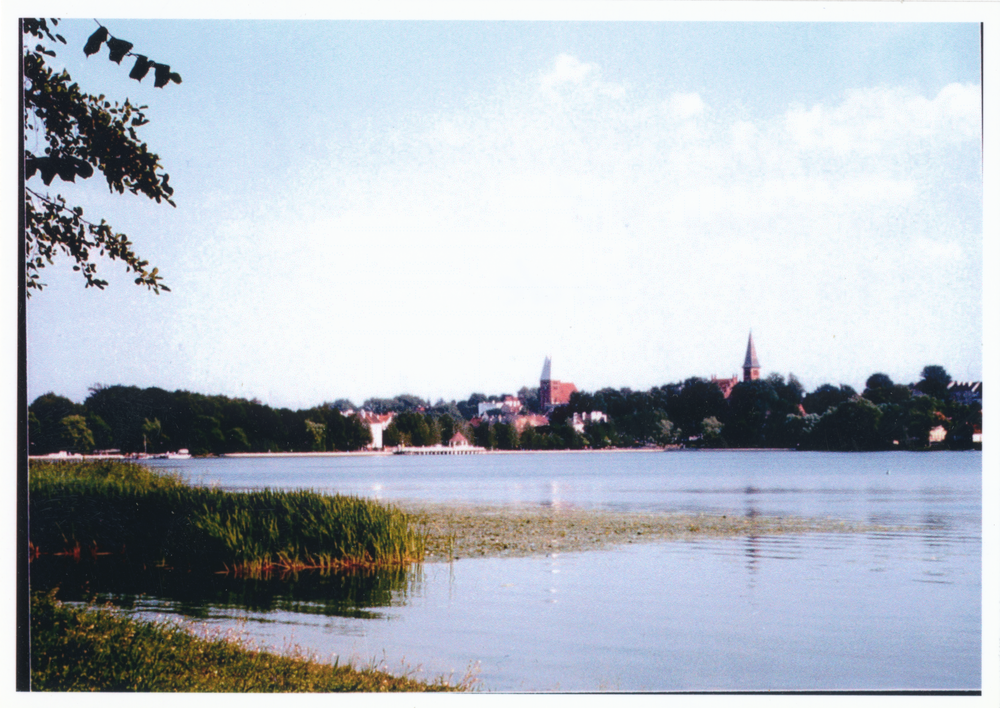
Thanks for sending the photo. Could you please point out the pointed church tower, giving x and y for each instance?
(545, 385)
(751, 367)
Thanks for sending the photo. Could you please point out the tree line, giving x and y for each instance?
(153, 420)
(768, 412)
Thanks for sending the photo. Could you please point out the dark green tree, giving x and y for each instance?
(391, 437)
(447, 425)
(45, 422)
(851, 426)
(827, 396)
(934, 382)
(711, 433)
(695, 400)
(601, 434)
(506, 436)
(77, 135)
(750, 405)
(74, 434)
(879, 388)
(530, 398)
(152, 434)
(237, 440)
(485, 436)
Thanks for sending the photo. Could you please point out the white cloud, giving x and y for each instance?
(567, 69)
(572, 79)
(881, 120)
(685, 105)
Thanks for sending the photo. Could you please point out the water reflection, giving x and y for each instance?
(353, 594)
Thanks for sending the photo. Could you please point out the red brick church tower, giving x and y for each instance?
(553, 393)
(751, 367)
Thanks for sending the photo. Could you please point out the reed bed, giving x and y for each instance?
(113, 507)
(124, 654)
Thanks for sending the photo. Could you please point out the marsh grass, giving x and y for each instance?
(114, 507)
(75, 649)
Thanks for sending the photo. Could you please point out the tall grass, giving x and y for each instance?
(103, 507)
(74, 649)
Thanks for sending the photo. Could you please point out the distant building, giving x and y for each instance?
(510, 405)
(459, 440)
(726, 385)
(966, 392)
(534, 420)
(580, 420)
(553, 393)
(377, 423)
(751, 371)
(751, 367)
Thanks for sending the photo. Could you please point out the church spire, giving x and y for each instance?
(751, 367)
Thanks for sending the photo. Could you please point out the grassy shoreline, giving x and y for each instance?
(75, 649)
(112, 507)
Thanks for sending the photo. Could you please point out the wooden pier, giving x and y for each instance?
(440, 450)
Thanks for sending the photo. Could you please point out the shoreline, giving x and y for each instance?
(389, 453)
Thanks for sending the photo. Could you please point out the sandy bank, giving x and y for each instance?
(465, 531)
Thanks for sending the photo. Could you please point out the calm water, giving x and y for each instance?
(897, 610)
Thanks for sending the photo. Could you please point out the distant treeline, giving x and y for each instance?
(769, 412)
(131, 419)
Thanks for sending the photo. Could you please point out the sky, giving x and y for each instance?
(370, 208)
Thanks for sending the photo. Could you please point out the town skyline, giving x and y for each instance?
(438, 206)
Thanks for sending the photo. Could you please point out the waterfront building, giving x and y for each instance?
(377, 423)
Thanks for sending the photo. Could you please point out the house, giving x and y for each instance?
(459, 440)
(377, 423)
(510, 405)
(580, 420)
(966, 392)
(535, 421)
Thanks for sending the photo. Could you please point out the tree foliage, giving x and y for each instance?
(770, 412)
(934, 381)
(69, 133)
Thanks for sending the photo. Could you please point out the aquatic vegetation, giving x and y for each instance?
(105, 507)
(124, 654)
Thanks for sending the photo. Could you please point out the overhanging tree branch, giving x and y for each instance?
(76, 134)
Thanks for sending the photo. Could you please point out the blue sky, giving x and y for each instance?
(372, 208)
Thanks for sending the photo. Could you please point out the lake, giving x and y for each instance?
(886, 610)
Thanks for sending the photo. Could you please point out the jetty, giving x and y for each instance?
(440, 450)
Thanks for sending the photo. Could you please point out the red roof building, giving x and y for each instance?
(553, 393)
